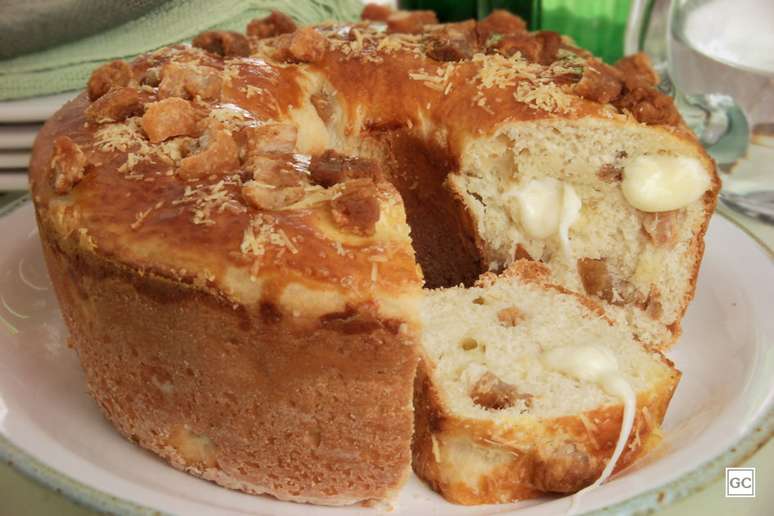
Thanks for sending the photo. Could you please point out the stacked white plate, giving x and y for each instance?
(20, 121)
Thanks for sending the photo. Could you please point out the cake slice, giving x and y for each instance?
(526, 388)
(616, 209)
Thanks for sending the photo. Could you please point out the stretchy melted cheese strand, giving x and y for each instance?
(571, 206)
(598, 365)
(546, 207)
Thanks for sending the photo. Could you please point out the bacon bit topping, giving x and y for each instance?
(510, 317)
(331, 168)
(490, 392)
(188, 81)
(223, 43)
(68, 164)
(538, 47)
(151, 77)
(129, 138)
(277, 171)
(167, 118)
(663, 228)
(499, 23)
(307, 45)
(596, 278)
(220, 155)
(356, 209)
(638, 65)
(411, 22)
(268, 197)
(648, 105)
(114, 106)
(273, 25)
(640, 96)
(600, 83)
(269, 139)
(376, 12)
(108, 76)
(453, 42)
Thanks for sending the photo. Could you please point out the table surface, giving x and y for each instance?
(20, 496)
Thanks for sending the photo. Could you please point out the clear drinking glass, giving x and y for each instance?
(720, 68)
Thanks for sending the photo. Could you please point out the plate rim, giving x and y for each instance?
(659, 497)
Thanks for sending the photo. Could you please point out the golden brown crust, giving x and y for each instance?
(356, 75)
(475, 461)
(697, 245)
(160, 224)
(244, 396)
(525, 460)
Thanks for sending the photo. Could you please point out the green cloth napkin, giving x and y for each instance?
(68, 66)
(33, 25)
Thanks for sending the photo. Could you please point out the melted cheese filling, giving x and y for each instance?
(663, 183)
(545, 208)
(596, 364)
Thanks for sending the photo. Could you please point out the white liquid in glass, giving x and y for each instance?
(727, 47)
(737, 32)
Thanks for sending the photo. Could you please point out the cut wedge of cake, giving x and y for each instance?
(527, 388)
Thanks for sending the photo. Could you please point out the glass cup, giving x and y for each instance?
(719, 65)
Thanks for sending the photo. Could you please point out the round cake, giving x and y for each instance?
(241, 232)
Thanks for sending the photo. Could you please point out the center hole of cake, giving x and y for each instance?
(441, 230)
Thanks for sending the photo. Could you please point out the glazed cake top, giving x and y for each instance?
(209, 164)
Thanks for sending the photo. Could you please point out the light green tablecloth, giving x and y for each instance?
(20, 496)
(67, 67)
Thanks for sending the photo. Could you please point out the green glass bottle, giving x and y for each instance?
(447, 10)
(597, 25)
(457, 10)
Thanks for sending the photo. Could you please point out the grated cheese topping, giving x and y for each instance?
(122, 137)
(534, 86)
(439, 81)
(142, 215)
(545, 96)
(261, 233)
(206, 200)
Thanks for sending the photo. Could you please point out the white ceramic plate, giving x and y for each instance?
(35, 109)
(50, 428)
